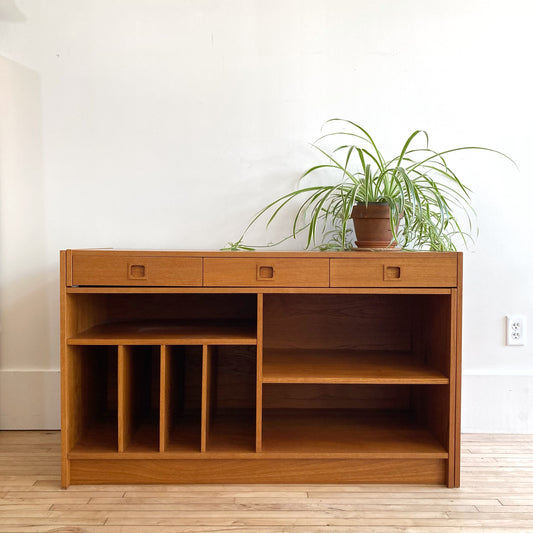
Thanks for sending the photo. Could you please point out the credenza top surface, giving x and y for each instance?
(359, 253)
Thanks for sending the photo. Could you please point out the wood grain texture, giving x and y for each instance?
(167, 332)
(370, 433)
(458, 368)
(260, 471)
(185, 398)
(283, 272)
(496, 496)
(259, 377)
(396, 271)
(338, 321)
(93, 397)
(450, 402)
(265, 364)
(111, 269)
(336, 396)
(341, 366)
(66, 331)
(207, 395)
(165, 404)
(227, 291)
(126, 397)
(353, 254)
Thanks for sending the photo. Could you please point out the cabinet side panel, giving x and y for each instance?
(65, 481)
(68, 267)
(458, 368)
(453, 452)
(75, 407)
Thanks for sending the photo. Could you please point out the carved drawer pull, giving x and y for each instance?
(392, 273)
(136, 271)
(265, 272)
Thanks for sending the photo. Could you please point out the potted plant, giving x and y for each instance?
(414, 199)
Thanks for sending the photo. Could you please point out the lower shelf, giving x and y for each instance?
(101, 437)
(185, 434)
(357, 432)
(232, 431)
(287, 433)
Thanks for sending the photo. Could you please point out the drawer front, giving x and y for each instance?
(395, 272)
(122, 270)
(267, 272)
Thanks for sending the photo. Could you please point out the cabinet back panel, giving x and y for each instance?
(186, 378)
(433, 410)
(106, 308)
(93, 388)
(338, 321)
(318, 396)
(433, 331)
(235, 377)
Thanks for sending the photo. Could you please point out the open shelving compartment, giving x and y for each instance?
(230, 395)
(357, 375)
(162, 374)
(181, 398)
(93, 375)
(138, 398)
(159, 319)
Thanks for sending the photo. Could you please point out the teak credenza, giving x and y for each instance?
(260, 367)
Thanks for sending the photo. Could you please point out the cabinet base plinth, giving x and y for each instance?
(177, 471)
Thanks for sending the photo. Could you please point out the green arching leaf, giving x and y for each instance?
(349, 134)
(423, 192)
(406, 145)
(367, 135)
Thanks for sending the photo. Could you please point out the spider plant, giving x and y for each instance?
(430, 206)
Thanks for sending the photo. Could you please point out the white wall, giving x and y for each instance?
(169, 123)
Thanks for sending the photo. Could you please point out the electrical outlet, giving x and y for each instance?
(516, 330)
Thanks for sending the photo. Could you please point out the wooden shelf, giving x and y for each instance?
(232, 431)
(353, 433)
(344, 366)
(169, 332)
(185, 434)
(101, 437)
(144, 439)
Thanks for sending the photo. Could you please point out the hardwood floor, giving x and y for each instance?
(496, 496)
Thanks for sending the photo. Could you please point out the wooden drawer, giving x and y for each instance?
(413, 271)
(136, 270)
(266, 272)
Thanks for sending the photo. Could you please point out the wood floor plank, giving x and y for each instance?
(65, 528)
(496, 496)
(395, 509)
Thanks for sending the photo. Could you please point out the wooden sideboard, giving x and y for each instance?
(260, 367)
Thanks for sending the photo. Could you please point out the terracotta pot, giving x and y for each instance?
(372, 225)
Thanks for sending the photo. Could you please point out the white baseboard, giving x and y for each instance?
(497, 404)
(29, 399)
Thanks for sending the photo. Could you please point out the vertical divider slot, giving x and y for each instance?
(181, 398)
(208, 393)
(164, 401)
(92, 383)
(138, 398)
(259, 374)
(125, 397)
